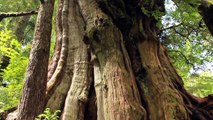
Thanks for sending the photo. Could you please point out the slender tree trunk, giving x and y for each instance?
(109, 64)
(58, 44)
(20, 28)
(5, 62)
(34, 90)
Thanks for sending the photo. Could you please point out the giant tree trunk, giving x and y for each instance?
(110, 65)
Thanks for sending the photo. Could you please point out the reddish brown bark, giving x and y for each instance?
(34, 90)
(57, 50)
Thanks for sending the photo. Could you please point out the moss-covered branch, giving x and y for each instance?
(16, 14)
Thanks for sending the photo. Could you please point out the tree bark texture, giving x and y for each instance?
(206, 9)
(34, 90)
(109, 64)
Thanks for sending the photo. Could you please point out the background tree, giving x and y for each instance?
(21, 25)
(14, 52)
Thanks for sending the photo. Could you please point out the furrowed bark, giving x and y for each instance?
(140, 34)
(118, 88)
(79, 89)
(166, 102)
(33, 96)
(98, 83)
(162, 99)
(60, 57)
(56, 94)
(57, 50)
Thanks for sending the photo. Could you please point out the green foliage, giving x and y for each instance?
(18, 55)
(20, 5)
(18, 52)
(200, 84)
(48, 115)
(8, 45)
(7, 6)
(189, 44)
(9, 96)
(53, 35)
(14, 73)
(152, 11)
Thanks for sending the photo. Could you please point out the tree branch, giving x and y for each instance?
(171, 27)
(187, 61)
(17, 14)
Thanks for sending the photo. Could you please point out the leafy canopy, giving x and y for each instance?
(190, 45)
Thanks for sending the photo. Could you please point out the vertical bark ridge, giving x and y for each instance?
(105, 40)
(143, 29)
(126, 16)
(58, 43)
(33, 97)
(59, 70)
(56, 97)
(100, 94)
(173, 106)
(129, 69)
(78, 93)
